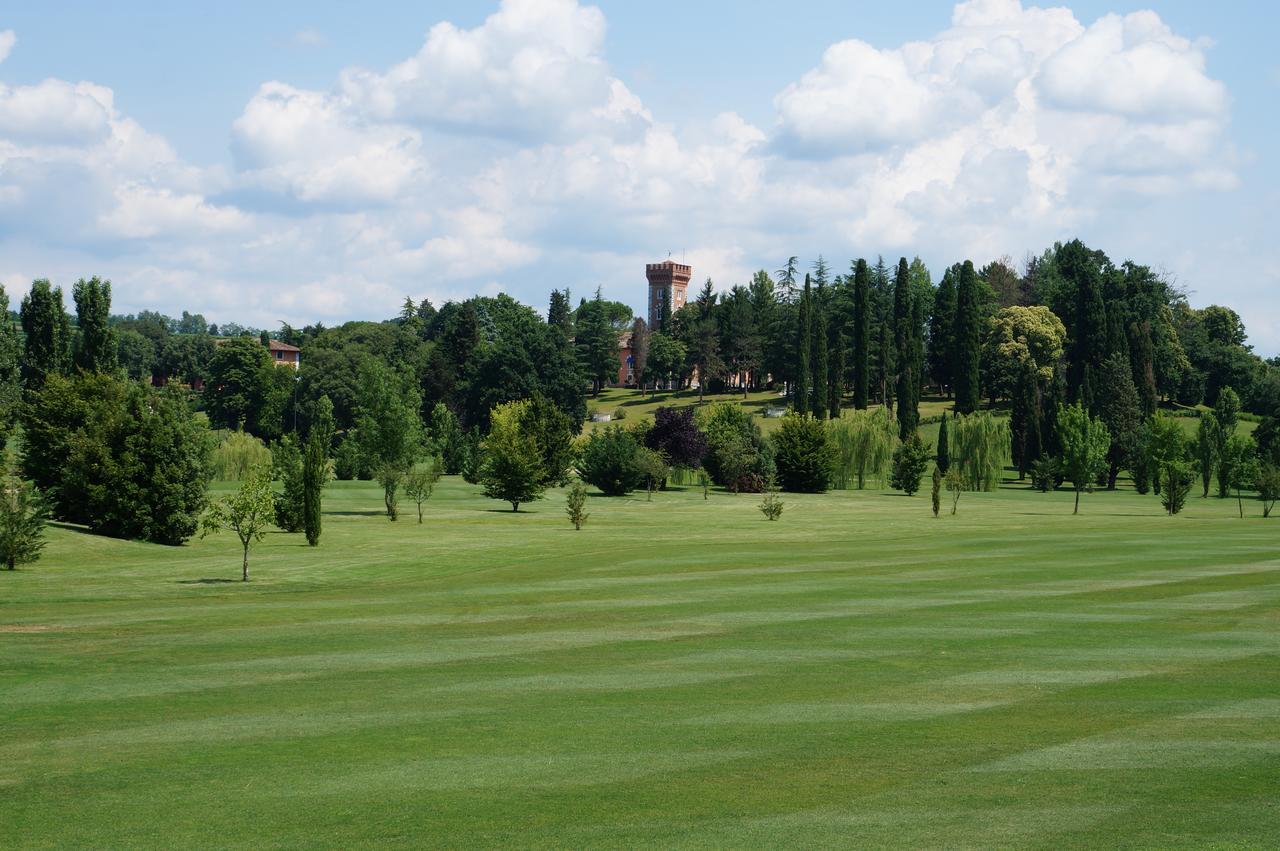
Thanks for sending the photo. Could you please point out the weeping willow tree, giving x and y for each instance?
(979, 445)
(864, 442)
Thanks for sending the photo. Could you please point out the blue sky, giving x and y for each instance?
(309, 161)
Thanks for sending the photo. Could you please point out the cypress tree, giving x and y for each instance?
(10, 370)
(315, 468)
(1121, 412)
(967, 341)
(821, 366)
(1025, 420)
(882, 367)
(941, 328)
(861, 334)
(1080, 268)
(944, 451)
(835, 381)
(1142, 359)
(664, 315)
(918, 299)
(96, 345)
(904, 341)
(47, 328)
(804, 343)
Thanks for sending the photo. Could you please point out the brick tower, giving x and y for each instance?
(669, 280)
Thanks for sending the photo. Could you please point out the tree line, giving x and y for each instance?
(120, 415)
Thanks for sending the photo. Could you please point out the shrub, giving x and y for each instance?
(610, 462)
(348, 463)
(910, 460)
(937, 491)
(771, 506)
(803, 454)
(1045, 473)
(737, 457)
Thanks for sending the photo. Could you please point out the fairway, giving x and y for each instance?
(679, 673)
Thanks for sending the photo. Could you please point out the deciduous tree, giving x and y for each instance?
(248, 512)
(1085, 441)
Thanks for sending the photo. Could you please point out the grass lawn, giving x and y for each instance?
(680, 673)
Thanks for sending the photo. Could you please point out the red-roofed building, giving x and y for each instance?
(284, 354)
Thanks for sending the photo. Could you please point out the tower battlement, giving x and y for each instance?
(668, 281)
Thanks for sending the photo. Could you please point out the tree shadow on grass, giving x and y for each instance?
(371, 513)
(209, 582)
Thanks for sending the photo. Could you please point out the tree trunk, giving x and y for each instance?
(1077, 508)
(244, 571)
(515, 506)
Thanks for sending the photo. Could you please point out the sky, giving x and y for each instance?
(302, 162)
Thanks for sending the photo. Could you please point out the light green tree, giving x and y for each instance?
(388, 429)
(420, 482)
(248, 512)
(576, 505)
(513, 465)
(864, 441)
(981, 446)
(1085, 441)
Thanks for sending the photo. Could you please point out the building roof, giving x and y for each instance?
(277, 346)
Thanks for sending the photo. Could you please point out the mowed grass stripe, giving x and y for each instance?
(678, 673)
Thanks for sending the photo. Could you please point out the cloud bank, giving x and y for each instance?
(512, 156)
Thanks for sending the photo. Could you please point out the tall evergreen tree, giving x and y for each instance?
(597, 343)
(861, 334)
(96, 345)
(1026, 418)
(882, 366)
(315, 468)
(1142, 361)
(10, 370)
(967, 341)
(944, 448)
(48, 335)
(835, 377)
(821, 374)
(1081, 268)
(559, 313)
(904, 341)
(804, 346)
(1121, 412)
(941, 329)
(787, 281)
(640, 352)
